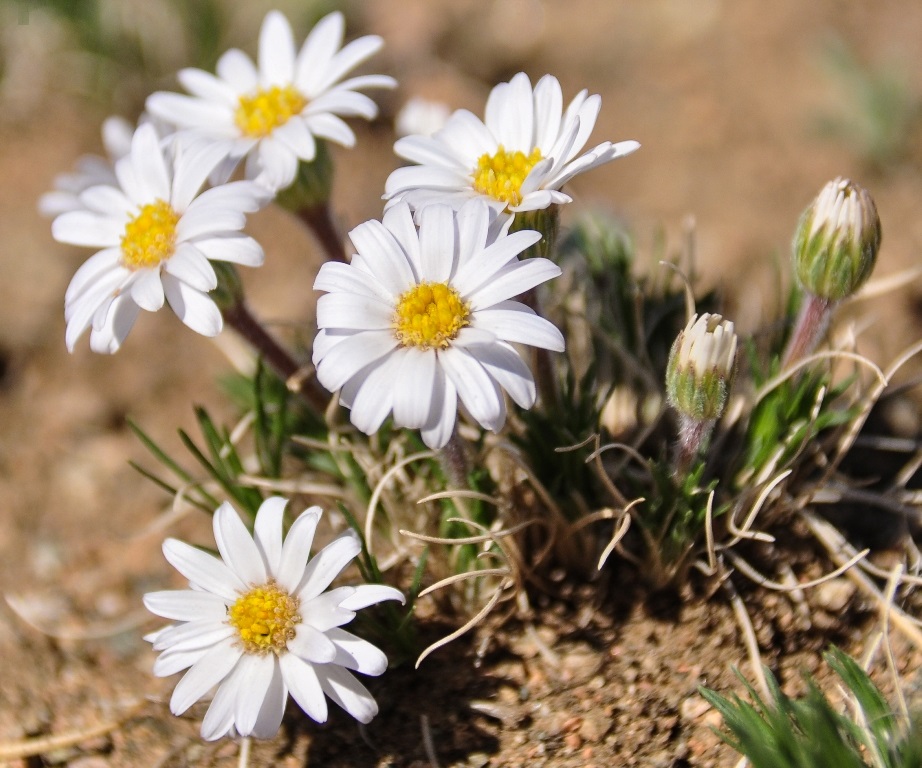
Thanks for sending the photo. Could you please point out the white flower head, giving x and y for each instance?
(272, 113)
(421, 116)
(259, 623)
(517, 159)
(423, 318)
(156, 235)
(90, 170)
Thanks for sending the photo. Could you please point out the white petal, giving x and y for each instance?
(441, 423)
(346, 359)
(348, 692)
(328, 126)
(267, 531)
(206, 86)
(480, 267)
(213, 119)
(354, 653)
(542, 198)
(208, 220)
(477, 390)
(206, 673)
(371, 393)
(327, 563)
(344, 103)
(295, 135)
(427, 150)
(384, 255)
(147, 160)
(107, 200)
(90, 229)
(203, 570)
(194, 165)
(190, 265)
(277, 166)
(193, 307)
(326, 610)
(513, 280)
(467, 136)
(80, 312)
(436, 243)
(414, 388)
(347, 59)
(371, 594)
(171, 661)
(504, 365)
(312, 645)
(219, 719)
(350, 311)
(256, 673)
(548, 110)
(276, 50)
(273, 709)
(317, 52)
(426, 176)
(237, 547)
(118, 324)
(147, 289)
(512, 321)
(191, 635)
(398, 220)
(304, 686)
(237, 69)
(99, 264)
(235, 248)
(296, 548)
(510, 114)
(334, 276)
(185, 604)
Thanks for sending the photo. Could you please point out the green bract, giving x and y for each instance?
(837, 240)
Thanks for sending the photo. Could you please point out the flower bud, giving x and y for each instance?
(837, 240)
(701, 367)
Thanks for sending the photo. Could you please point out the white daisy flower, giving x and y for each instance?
(273, 114)
(518, 159)
(156, 238)
(259, 623)
(90, 171)
(422, 318)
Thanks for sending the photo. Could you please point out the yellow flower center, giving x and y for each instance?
(150, 237)
(265, 618)
(430, 315)
(501, 175)
(262, 112)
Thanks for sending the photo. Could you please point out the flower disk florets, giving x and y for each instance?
(262, 112)
(701, 367)
(837, 240)
(430, 315)
(150, 236)
(501, 174)
(265, 618)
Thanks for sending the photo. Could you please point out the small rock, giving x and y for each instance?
(693, 708)
(594, 726)
(832, 596)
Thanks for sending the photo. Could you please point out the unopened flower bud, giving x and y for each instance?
(837, 240)
(701, 367)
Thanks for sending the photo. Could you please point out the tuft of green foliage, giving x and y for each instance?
(810, 732)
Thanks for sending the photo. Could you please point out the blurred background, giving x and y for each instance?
(744, 109)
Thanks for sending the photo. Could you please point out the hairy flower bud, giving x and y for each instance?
(837, 240)
(701, 367)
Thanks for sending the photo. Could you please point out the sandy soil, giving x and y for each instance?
(726, 99)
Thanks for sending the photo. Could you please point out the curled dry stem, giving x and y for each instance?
(841, 551)
(763, 581)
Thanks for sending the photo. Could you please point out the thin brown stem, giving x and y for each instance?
(319, 219)
(453, 457)
(812, 322)
(275, 356)
(694, 435)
